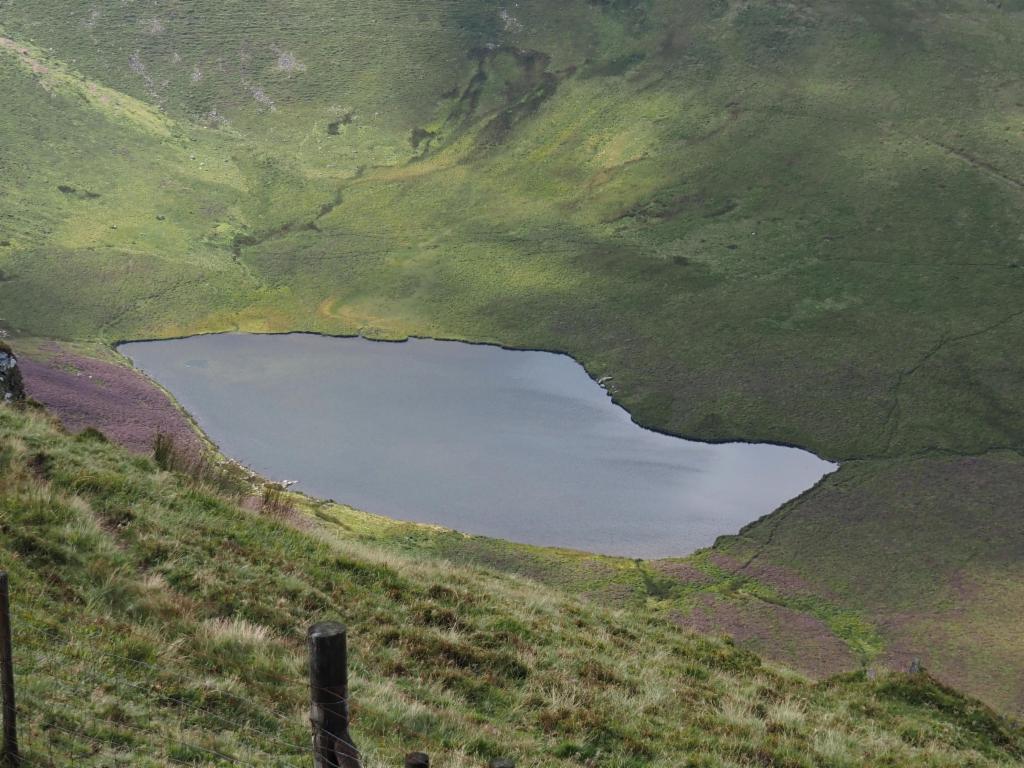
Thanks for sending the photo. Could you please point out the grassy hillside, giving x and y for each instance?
(717, 203)
(156, 623)
(790, 221)
(955, 605)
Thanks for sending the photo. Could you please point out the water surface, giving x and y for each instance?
(517, 445)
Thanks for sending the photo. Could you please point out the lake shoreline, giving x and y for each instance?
(728, 440)
(453, 494)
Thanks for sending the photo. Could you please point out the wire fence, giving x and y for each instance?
(75, 673)
(82, 703)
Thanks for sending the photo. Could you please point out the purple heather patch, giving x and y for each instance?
(121, 403)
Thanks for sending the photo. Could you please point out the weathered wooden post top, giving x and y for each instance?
(328, 693)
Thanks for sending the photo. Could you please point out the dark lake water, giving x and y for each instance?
(516, 445)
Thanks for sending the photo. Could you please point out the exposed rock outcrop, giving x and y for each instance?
(11, 386)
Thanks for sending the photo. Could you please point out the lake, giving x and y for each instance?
(517, 445)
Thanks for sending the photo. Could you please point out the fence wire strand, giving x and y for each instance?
(63, 647)
(300, 681)
(104, 746)
(195, 709)
(42, 665)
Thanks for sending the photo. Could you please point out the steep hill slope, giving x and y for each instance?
(158, 624)
(790, 221)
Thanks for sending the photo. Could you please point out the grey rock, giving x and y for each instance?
(11, 385)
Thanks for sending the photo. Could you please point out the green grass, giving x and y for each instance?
(716, 206)
(951, 604)
(156, 623)
(793, 222)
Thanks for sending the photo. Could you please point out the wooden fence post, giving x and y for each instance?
(328, 695)
(417, 760)
(10, 753)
